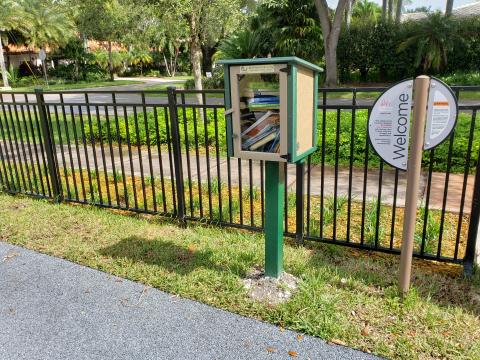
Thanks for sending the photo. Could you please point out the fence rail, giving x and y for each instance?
(162, 152)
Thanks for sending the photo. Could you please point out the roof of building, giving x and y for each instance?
(467, 10)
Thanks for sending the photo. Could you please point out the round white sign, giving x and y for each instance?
(441, 113)
(389, 124)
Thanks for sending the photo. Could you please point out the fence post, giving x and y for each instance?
(49, 146)
(177, 154)
(300, 180)
(472, 252)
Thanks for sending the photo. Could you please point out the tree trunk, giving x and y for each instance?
(449, 8)
(390, 10)
(398, 15)
(2, 65)
(110, 61)
(384, 10)
(330, 63)
(167, 67)
(207, 52)
(196, 58)
(348, 13)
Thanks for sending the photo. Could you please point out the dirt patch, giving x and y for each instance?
(270, 290)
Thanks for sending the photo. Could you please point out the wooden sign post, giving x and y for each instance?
(414, 167)
(434, 117)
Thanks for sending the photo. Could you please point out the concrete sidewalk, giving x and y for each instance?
(199, 169)
(53, 309)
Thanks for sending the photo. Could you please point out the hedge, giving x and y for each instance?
(458, 158)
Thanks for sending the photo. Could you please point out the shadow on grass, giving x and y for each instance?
(169, 256)
(443, 284)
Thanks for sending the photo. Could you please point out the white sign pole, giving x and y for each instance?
(421, 90)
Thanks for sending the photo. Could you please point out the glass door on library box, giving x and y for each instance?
(259, 111)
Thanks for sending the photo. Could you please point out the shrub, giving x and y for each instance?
(127, 130)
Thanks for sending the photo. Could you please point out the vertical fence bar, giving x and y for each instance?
(177, 154)
(299, 205)
(469, 259)
(49, 150)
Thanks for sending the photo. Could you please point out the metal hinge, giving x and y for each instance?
(287, 69)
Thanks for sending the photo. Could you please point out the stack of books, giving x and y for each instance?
(263, 134)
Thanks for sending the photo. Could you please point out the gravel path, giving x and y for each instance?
(53, 309)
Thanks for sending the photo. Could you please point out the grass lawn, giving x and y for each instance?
(160, 87)
(78, 85)
(346, 296)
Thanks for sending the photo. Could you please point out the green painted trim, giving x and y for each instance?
(292, 113)
(293, 60)
(228, 105)
(274, 193)
(315, 111)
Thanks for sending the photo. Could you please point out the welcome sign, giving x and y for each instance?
(389, 124)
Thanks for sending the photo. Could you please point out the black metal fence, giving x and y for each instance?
(164, 152)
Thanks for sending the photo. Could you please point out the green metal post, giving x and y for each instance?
(274, 192)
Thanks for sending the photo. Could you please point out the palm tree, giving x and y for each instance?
(449, 8)
(140, 57)
(433, 37)
(48, 25)
(11, 15)
(246, 44)
(366, 11)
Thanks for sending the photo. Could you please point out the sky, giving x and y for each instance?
(435, 4)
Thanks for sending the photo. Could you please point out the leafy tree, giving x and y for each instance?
(366, 11)
(433, 38)
(289, 27)
(242, 45)
(48, 23)
(103, 20)
(75, 52)
(207, 21)
(140, 57)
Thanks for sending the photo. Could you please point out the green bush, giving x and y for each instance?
(462, 78)
(212, 83)
(129, 128)
(459, 149)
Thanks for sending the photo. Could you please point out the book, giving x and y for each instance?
(273, 146)
(263, 133)
(263, 141)
(268, 118)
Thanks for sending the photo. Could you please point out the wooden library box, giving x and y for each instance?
(271, 108)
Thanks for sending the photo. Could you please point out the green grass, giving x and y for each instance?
(77, 85)
(163, 87)
(343, 291)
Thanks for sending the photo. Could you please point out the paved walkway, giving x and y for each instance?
(54, 309)
(201, 168)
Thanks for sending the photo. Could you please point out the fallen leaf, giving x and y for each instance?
(299, 337)
(366, 330)
(353, 313)
(191, 248)
(118, 280)
(282, 329)
(10, 256)
(293, 353)
(338, 342)
(271, 350)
